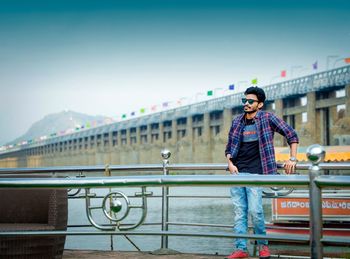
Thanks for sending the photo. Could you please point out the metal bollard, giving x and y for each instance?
(165, 199)
(315, 154)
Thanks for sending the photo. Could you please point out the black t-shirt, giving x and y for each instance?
(248, 158)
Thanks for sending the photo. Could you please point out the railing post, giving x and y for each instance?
(315, 154)
(109, 174)
(165, 199)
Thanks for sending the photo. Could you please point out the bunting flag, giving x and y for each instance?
(231, 87)
(133, 114)
(255, 81)
(154, 108)
(315, 65)
(142, 110)
(181, 101)
(123, 116)
(347, 60)
(88, 125)
(283, 73)
(165, 104)
(210, 93)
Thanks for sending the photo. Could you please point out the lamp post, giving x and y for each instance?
(273, 78)
(181, 102)
(328, 60)
(292, 70)
(315, 154)
(336, 61)
(165, 199)
(305, 69)
(240, 83)
(217, 89)
(197, 95)
(228, 89)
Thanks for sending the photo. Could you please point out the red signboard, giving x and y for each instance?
(299, 207)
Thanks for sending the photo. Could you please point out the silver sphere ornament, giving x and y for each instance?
(165, 153)
(116, 206)
(315, 153)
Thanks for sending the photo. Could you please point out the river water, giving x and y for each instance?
(181, 210)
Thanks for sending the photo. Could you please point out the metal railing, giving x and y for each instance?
(315, 182)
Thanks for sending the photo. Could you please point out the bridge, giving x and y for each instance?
(317, 106)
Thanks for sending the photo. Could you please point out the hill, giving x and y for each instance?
(57, 122)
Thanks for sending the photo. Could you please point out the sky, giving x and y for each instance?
(115, 57)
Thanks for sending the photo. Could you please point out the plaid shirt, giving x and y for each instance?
(267, 124)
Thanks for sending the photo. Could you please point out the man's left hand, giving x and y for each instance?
(289, 167)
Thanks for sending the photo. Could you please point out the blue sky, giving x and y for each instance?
(114, 57)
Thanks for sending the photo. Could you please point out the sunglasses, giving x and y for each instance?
(250, 101)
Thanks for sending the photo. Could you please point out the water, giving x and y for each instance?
(181, 210)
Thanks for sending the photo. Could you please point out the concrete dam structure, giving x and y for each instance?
(317, 106)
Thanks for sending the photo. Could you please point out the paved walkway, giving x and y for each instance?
(84, 254)
(296, 251)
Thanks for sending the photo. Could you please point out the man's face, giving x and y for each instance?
(251, 104)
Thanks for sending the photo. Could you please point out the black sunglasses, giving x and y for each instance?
(250, 101)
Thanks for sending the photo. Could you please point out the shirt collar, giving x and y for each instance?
(257, 116)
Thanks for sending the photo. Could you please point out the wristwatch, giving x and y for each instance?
(293, 159)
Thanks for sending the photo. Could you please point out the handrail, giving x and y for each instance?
(156, 167)
(158, 180)
(314, 182)
(300, 238)
(332, 181)
(96, 168)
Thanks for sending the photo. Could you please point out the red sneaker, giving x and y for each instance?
(264, 252)
(237, 254)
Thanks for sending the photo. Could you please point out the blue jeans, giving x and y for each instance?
(247, 200)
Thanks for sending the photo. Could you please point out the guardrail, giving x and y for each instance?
(153, 168)
(112, 205)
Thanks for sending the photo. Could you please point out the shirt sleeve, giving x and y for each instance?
(284, 129)
(229, 141)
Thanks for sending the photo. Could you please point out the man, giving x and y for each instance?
(250, 150)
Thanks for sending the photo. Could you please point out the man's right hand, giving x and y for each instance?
(232, 168)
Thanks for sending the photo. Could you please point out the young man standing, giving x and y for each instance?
(250, 150)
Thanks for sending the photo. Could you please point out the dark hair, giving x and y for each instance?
(259, 92)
